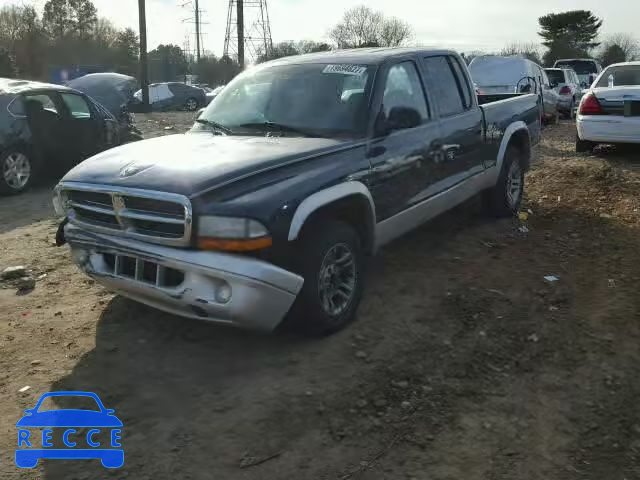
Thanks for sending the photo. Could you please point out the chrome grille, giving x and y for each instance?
(157, 217)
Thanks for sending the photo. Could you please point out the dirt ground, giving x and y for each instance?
(464, 363)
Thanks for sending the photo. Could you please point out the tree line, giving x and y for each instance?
(70, 33)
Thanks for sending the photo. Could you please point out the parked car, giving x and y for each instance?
(610, 111)
(114, 92)
(587, 69)
(495, 75)
(174, 96)
(567, 85)
(48, 128)
(281, 192)
(213, 93)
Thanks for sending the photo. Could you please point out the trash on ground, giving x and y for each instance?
(24, 389)
(523, 229)
(10, 273)
(551, 278)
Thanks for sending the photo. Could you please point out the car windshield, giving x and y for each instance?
(581, 67)
(627, 75)
(312, 99)
(555, 76)
(65, 402)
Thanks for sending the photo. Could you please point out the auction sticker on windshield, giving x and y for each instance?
(345, 69)
(69, 433)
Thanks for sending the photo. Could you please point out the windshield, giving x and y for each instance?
(581, 67)
(627, 75)
(317, 99)
(555, 76)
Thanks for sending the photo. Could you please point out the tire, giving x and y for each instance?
(572, 110)
(584, 146)
(504, 199)
(323, 244)
(16, 171)
(191, 104)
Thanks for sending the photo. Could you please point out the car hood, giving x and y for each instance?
(196, 161)
(69, 418)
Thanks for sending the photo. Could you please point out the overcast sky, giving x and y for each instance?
(460, 24)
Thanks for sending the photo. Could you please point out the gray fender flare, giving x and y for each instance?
(506, 138)
(325, 197)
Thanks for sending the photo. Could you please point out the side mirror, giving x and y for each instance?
(400, 118)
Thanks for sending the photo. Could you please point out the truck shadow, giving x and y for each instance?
(184, 388)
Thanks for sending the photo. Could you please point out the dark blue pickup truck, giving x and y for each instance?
(301, 168)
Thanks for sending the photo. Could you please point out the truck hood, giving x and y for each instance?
(193, 162)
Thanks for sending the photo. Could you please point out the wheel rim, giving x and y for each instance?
(514, 184)
(191, 104)
(337, 279)
(16, 170)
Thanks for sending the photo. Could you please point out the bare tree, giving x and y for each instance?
(627, 43)
(363, 27)
(395, 32)
(530, 51)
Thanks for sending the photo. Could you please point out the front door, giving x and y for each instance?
(83, 127)
(401, 157)
(460, 121)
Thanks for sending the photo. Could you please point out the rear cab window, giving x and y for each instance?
(451, 92)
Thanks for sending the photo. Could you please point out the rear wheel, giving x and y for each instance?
(584, 146)
(331, 262)
(16, 171)
(505, 197)
(191, 104)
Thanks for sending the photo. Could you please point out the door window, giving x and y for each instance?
(45, 100)
(403, 90)
(77, 105)
(445, 86)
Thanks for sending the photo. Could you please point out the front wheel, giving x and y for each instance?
(331, 261)
(16, 171)
(505, 197)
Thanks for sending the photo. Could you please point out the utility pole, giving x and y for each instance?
(240, 27)
(197, 33)
(144, 67)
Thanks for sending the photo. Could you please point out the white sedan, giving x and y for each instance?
(610, 111)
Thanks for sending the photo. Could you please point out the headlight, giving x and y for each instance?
(58, 203)
(232, 234)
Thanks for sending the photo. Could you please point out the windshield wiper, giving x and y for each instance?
(272, 126)
(215, 125)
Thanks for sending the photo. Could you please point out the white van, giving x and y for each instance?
(493, 74)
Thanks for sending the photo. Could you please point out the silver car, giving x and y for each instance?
(567, 84)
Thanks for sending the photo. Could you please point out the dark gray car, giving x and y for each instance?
(174, 96)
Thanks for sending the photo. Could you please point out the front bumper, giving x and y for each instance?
(608, 128)
(219, 287)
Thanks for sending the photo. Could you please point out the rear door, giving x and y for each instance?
(460, 120)
(403, 161)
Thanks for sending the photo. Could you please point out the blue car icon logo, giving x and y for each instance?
(33, 445)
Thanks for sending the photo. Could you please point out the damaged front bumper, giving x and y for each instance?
(219, 287)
